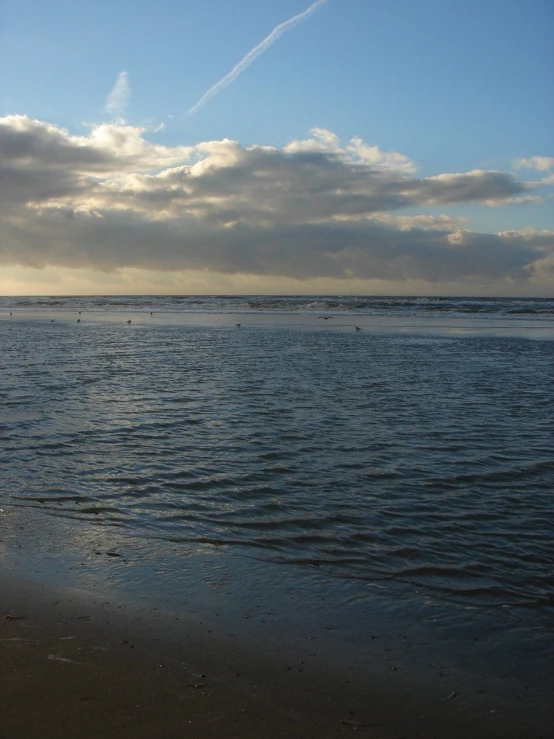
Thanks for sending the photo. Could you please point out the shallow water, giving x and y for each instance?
(417, 459)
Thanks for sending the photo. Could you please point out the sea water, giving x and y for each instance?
(415, 456)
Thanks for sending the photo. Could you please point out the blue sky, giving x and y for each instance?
(453, 86)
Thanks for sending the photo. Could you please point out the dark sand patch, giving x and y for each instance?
(78, 667)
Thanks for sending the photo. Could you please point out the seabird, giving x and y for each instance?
(151, 313)
(326, 318)
(357, 328)
(129, 321)
(78, 320)
(238, 325)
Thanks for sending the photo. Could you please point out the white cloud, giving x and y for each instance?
(31, 145)
(542, 164)
(539, 164)
(315, 209)
(118, 99)
(355, 152)
(407, 223)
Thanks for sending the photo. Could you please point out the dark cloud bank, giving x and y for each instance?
(312, 209)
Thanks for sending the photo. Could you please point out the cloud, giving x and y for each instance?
(254, 53)
(500, 202)
(356, 151)
(542, 164)
(118, 99)
(315, 208)
(109, 147)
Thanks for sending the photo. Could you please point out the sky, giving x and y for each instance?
(232, 146)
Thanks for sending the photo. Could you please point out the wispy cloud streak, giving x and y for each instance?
(118, 99)
(254, 53)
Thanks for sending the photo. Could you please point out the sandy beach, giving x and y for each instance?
(212, 531)
(80, 661)
(72, 670)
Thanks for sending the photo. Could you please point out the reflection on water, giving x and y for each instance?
(422, 460)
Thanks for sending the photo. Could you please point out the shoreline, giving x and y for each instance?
(81, 656)
(454, 326)
(114, 578)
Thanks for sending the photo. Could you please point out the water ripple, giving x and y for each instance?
(377, 457)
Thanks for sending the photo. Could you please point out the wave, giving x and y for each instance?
(409, 306)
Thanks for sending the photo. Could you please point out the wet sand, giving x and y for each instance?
(78, 665)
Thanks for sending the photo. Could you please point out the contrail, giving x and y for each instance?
(118, 99)
(255, 53)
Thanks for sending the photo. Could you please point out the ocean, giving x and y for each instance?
(410, 462)
(339, 305)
